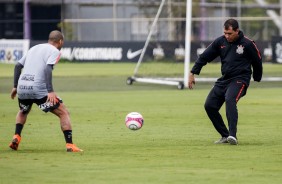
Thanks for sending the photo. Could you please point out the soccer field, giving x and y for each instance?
(175, 145)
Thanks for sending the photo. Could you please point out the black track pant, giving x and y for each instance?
(229, 94)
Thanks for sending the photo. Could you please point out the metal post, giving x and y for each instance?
(114, 20)
(203, 22)
(78, 25)
(26, 20)
(62, 17)
(239, 7)
(187, 42)
(170, 28)
(223, 9)
(280, 17)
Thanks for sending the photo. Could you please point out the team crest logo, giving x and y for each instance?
(240, 49)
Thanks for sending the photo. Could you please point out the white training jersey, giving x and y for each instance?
(32, 81)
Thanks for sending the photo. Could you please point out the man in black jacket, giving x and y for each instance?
(238, 56)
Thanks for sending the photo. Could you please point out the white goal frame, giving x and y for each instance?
(182, 83)
(179, 82)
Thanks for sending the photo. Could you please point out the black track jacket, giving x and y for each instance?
(236, 60)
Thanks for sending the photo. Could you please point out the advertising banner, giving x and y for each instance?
(131, 51)
(122, 51)
(12, 50)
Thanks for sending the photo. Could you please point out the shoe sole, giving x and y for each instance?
(14, 145)
(221, 141)
(71, 150)
(232, 141)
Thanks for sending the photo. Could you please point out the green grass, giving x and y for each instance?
(175, 145)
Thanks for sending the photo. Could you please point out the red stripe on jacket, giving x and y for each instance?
(240, 92)
(255, 47)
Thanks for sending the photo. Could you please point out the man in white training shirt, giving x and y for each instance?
(33, 84)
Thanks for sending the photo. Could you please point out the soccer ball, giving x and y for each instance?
(134, 121)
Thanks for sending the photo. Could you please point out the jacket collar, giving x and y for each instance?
(241, 35)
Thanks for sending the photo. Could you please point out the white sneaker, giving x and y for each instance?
(232, 140)
(222, 140)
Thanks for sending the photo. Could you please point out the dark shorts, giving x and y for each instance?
(26, 104)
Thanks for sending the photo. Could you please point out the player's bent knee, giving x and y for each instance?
(230, 101)
(61, 112)
(24, 112)
(207, 106)
(210, 107)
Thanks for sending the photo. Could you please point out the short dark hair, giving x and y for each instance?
(231, 23)
(56, 36)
